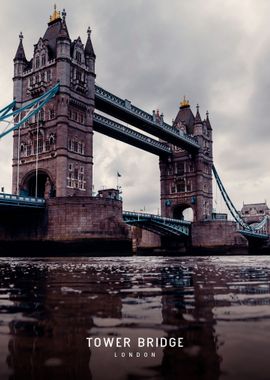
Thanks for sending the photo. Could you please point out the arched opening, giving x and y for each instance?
(183, 212)
(38, 185)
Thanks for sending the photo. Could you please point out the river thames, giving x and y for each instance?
(131, 318)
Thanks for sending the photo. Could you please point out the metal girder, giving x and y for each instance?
(120, 132)
(255, 235)
(125, 111)
(158, 224)
(24, 113)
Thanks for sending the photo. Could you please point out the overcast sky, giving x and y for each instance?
(153, 52)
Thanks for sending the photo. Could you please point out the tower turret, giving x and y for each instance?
(186, 179)
(55, 152)
(20, 63)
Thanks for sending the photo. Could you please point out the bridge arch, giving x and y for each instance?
(45, 184)
(183, 212)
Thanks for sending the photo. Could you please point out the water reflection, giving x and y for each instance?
(220, 306)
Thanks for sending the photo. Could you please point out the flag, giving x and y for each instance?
(119, 175)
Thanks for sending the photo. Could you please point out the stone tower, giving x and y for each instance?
(186, 180)
(52, 152)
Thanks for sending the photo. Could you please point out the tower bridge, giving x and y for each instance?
(53, 119)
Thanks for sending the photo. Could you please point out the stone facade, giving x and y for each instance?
(53, 153)
(186, 180)
(216, 235)
(56, 143)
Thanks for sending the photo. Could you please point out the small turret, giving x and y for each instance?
(208, 124)
(20, 54)
(89, 51)
(20, 63)
(198, 119)
(198, 125)
(63, 33)
(90, 56)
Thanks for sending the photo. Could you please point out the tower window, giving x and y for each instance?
(51, 114)
(43, 60)
(41, 115)
(37, 62)
(78, 56)
(28, 150)
(179, 168)
(49, 75)
(81, 119)
(181, 188)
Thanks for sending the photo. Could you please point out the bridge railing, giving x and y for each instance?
(155, 217)
(130, 132)
(128, 107)
(16, 199)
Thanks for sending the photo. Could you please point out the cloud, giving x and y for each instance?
(153, 52)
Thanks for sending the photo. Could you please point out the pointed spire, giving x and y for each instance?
(198, 119)
(89, 51)
(208, 124)
(20, 54)
(63, 32)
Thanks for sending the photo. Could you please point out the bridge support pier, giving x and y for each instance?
(68, 225)
(216, 236)
(208, 237)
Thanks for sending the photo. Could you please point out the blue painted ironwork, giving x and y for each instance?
(124, 110)
(6, 109)
(158, 224)
(32, 108)
(120, 132)
(252, 234)
(255, 230)
(21, 201)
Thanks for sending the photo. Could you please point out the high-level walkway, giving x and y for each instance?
(127, 112)
(120, 132)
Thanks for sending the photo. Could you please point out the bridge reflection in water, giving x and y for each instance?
(219, 306)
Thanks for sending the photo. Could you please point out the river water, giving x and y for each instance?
(217, 306)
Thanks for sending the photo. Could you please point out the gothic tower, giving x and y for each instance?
(52, 152)
(186, 179)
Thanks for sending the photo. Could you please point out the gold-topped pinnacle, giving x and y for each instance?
(184, 103)
(55, 15)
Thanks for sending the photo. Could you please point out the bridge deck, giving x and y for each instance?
(125, 111)
(20, 201)
(120, 132)
(158, 224)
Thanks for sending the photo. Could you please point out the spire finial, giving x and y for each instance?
(198, 107)
(207, 114)
(21, 36)
(89, 31)
(64, 13)
(55, 15)
(184, 103)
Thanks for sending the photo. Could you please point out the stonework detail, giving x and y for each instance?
(186, 180)
(55, 147)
